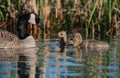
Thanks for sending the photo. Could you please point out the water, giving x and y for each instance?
(47, 62)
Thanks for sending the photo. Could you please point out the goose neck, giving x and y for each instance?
(27, 42)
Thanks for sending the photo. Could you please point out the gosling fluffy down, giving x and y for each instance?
(89, 44)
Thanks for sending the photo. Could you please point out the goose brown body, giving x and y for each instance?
(9, 40)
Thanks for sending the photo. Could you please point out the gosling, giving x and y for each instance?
(89, 45)
(64, 40)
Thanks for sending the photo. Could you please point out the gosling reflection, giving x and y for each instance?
(90, 58)
(77, 53)
(24, 60)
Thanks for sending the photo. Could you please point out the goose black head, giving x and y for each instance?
(23, 22)
(34, 19)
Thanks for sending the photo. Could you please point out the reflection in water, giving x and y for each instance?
(20, 62)
(27, 63)
(76, 63)
(73, 63)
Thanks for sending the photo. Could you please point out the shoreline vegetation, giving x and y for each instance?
(92, 18)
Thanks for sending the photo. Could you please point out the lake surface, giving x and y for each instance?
(47, 62)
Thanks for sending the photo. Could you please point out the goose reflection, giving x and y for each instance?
(24, 60)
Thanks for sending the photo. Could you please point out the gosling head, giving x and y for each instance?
(77, 39)
(24, 20)
(63, 35)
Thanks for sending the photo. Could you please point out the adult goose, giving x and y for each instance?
(89, 45)
(24, 39)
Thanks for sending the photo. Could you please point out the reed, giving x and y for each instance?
(41, 6)
(93, 11)
(1, 16)
(110, 11)
(84, 16)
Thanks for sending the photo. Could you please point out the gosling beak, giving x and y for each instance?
(40, 26)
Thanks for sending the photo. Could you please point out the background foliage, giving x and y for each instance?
(90, 17)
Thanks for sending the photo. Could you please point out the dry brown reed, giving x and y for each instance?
(84, 16)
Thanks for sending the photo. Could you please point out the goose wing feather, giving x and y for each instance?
(8, 40)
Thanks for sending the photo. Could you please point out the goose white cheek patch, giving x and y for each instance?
(32, 19)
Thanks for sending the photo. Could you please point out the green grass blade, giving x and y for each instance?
(93, 11)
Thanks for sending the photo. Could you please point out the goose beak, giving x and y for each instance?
(40, 26)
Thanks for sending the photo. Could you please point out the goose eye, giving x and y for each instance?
(61, 34)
